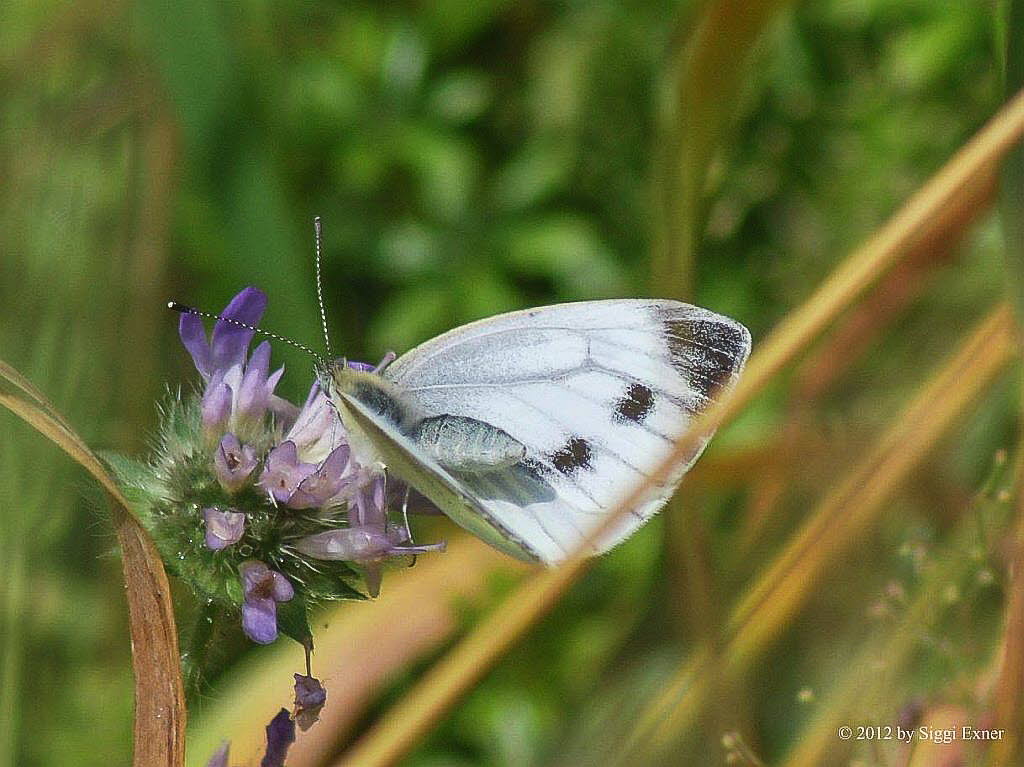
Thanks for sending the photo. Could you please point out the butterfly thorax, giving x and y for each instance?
(375, 392)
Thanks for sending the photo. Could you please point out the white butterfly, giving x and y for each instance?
(526, 428)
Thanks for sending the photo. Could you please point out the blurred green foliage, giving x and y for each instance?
(467, 158)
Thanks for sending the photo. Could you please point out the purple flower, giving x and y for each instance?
(239, 389)
(301, 485)
(360, 544)
(366, 367)
(310, 697)
(233, 463)
(365, 545)
(319, 487)
(280, 736)
(284, 471)
(216, 404)
(223, 528)
(263, 589)
(364, 493)
(229, 343)
(257, 384)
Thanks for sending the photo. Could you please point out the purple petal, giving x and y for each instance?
(378, 492)
(260, 582)
(316, 489)
(272, 380)
(280, 735)
(216, 405)
(317, 429)
(231, 342)
(369, 502)
(259, 620)
(253, 574)
(263, 589)
(309, 691)
(361, 544)
(310, 697)
(314, 392)
(284, 472)
(282, 589)
(233, 463)
(348, 544)
(282, 408)
(220, 756)
(193, 336)
(223, 528)
(373, 575)
(366, 367)
(252, 393)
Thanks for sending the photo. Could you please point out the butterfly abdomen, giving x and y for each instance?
(467, 445)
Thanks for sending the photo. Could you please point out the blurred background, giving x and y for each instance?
(468, 158)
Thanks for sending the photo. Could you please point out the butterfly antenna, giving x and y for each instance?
(182, 309)
(318, 232)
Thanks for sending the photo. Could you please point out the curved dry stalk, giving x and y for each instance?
(399, 729)
(1009, 695)
(159, 696)
(832, 528)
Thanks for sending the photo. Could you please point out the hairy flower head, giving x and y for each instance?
(258, 504)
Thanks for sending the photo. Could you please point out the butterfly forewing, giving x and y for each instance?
(597, 393)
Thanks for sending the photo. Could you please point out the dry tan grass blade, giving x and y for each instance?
(859, 694)
(427, 702)
(832, 528)
(1009, 695)
(159, 696)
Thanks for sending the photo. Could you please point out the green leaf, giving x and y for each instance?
(537, 173)
(293, 619)
(568, 250)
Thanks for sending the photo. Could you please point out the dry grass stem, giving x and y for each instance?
(863, 688)
(1009, 697)
(159, 695)
(836, 524)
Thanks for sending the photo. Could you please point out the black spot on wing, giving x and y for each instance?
(635, 404)
(707, 353)
(572, 456)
